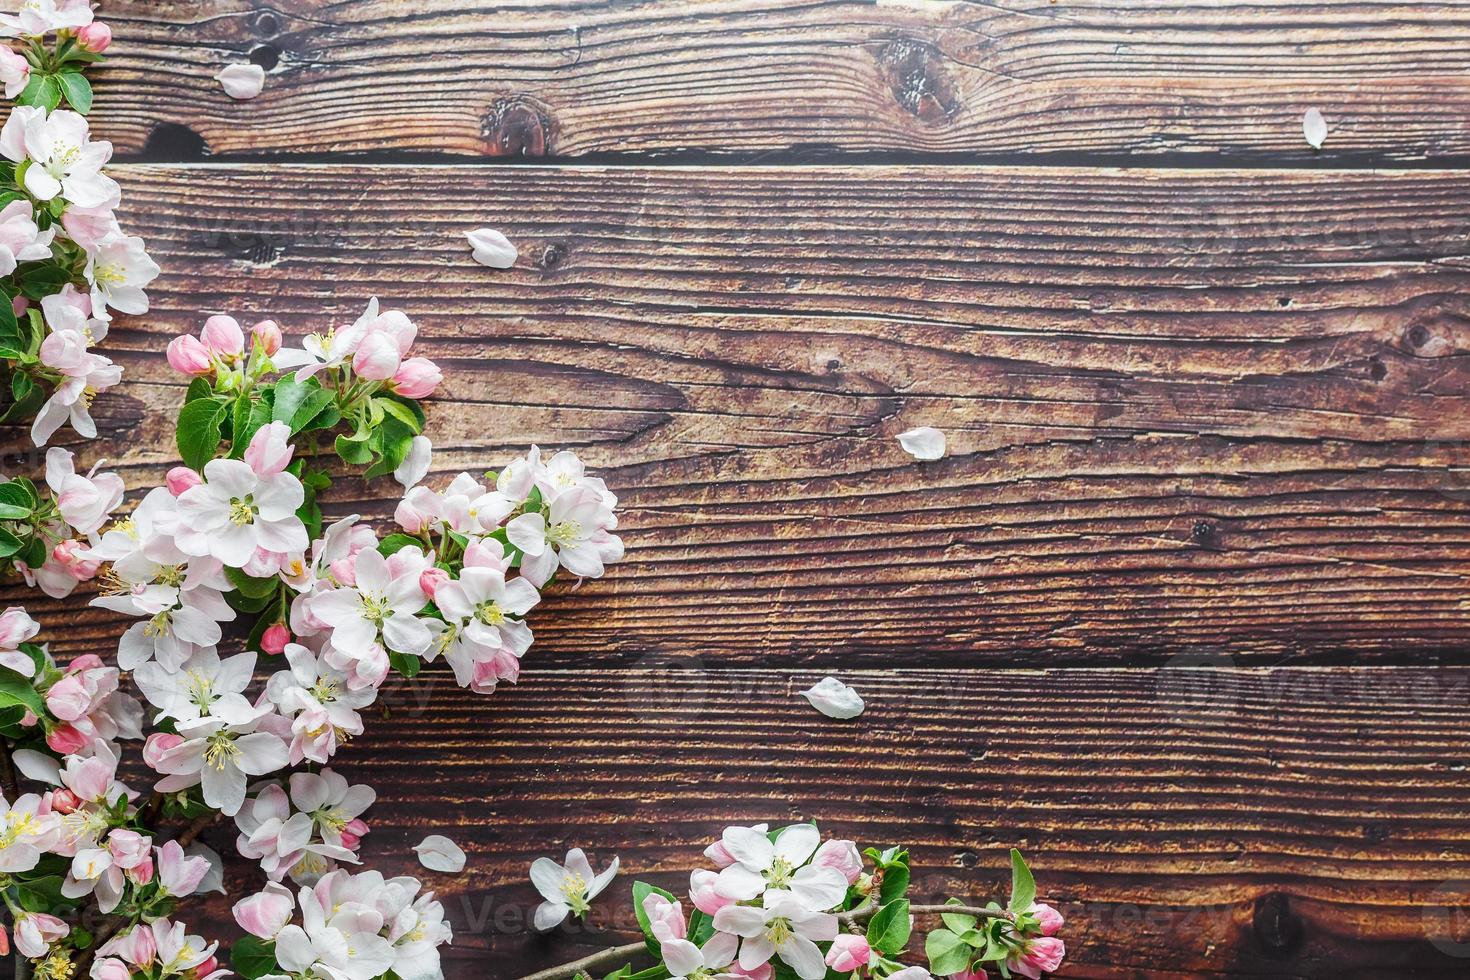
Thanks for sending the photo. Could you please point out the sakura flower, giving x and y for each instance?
(221, 757)
(438, 853)
(118, 269)
(63, 160)
(174, 952)
(181, 596)
(324, 951)
(785, 927)
(761, 864)
(238, 510)
(39, 17)
(84, 501)
(321, 706)
(281, 840)
(334, 806)
(20, 239)
(482, 614)
(203, 685)
(683, 959)
(100, 871)
(17, 627)
(26, 830)
(568, 888)
(180, 874)
(83, 375)
(575, 533)
(383, 604)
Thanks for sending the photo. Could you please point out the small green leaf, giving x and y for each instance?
(957, 921)
(77, 89)
(888, 929)
(947, 953)
(895, 883)
(394, 543)
(254, 588)
(199, 430)
(253, 958)
(1023, 885)
(356, 453)
(15, 689)
(405, 663)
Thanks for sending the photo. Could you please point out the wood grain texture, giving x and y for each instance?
(1189, 413)
(1012, 79)
(1189, 823)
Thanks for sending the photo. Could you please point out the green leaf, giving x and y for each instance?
(9, 543)
(10, 512)
(19, 493)
(888, 929)
(41, 90)
(957, 921)
(895, 883)
(405, 663)
(255, 588)
(15, 689)
(42, 894)
(947, 953)
(393, 439)
(394, 543)
(356, 453)
(199, 430)
(1023, 885)
(401, 411)
(198, 388)
(298, 405)
(253, 958)
(641, 890)
(77, 89)
(247, 423)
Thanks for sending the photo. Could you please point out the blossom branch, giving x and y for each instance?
(597, 961)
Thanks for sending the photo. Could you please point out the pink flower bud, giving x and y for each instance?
(417, 377)
(222, 336)
(181, 478)
(762, 972)
(157, 744)
(266, 913)
(87, 661)
(64, 801)
(142, 872)
(111, 968)
(137, 946)
(207, 967)
(275, 638)
(376, 358)
(702, 892)
(1042, 954)
(718, 854)
(188, 356)
(841, 855)
(269, 335)
(95, 37)
(344, 570)
(270, 449)
(849, 952)
(66, 739)
(431, 579)
(78, 568)
(69, 698)
(1048, 919)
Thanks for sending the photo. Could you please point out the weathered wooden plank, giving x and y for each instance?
(1015, 78)
(1189, 823)
(1187, 413)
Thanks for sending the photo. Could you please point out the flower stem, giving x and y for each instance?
(607, 957)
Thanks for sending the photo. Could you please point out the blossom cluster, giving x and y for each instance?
(234, 540)
(66, 265)
(785, 903)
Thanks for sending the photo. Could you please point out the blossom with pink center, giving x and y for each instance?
(282, 840)
(482, 622)
(761, 864)
(64, 161)
(15, 73)
(574, 533)
(83, 375)
(380, 609)
(17, 627)
(841, 855)
(681, 957)
(322, 707)
(221, 758)
(267, 912)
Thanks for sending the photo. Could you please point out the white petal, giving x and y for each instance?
(242, 81)
(1314, 128)
(797, 843)
(439, 853)
(549, 914)
(834, 699)
(925, 442)
(415, 465)
(548, 876)
(491, 248)
(37, 765)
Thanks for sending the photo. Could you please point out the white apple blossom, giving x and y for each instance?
(237, 510)
(568, 888)
(575, 533)
(322, 708)
(20, 239)
(62, 159)
(282, 841)
(26, 831)
(783, 926)
(85, 502)
(381, 608)
(760, 864)
(38, 17)
(203, 685)
(118, 269)
(220, 757)
(334, 806)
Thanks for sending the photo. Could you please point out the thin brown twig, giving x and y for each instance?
(607, 957)
(7, 771)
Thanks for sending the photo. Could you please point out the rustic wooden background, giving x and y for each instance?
(1184, 612)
